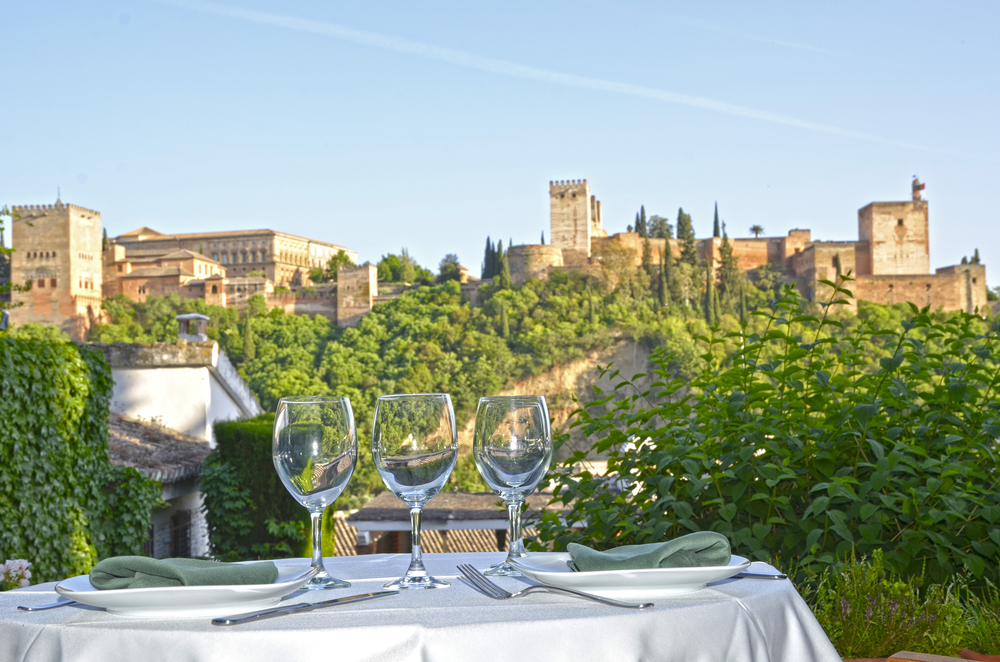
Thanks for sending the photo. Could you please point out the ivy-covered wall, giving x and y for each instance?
(63, 505)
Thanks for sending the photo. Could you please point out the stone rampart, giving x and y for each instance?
(532, 261)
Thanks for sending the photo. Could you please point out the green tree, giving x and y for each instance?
(685, 235)
(975, 257)
(715, 226)
(647, 257)
(659, 228)
(448, 269)
(731, 277)
(249, 349)
(502, 279)
(756, 230)
(710, 302)
(328, 274)
(640, 222)
(504, 323)
(6, 285)
(489, 261)
(665, 271)
(543, 237)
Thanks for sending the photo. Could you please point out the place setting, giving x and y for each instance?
(414, 447)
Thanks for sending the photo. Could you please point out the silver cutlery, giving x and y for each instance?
(297, 608)
(759, 575)
(481, 582)
(53, 605)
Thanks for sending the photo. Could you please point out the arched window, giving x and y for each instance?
(215, 289)
(52, 282)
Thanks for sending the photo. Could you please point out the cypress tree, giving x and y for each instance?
(743, 302)
(647, 257)
(249, 348)
(975, 257)
(502, 278)
(543, 237)
(665, 269)
(638, 229)
(709, 303)
(104, 240)
(731, 276)
(685, 235)
(715, 229)
(644, 232)
(593, 309)
(489, 261)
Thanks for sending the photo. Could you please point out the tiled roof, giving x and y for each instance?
(432, 542)
(160, 453)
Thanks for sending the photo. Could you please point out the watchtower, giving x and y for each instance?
(58, 250)
(575, 217)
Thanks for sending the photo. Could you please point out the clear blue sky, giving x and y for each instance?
(431, 125)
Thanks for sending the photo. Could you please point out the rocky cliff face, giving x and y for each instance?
(576, 378)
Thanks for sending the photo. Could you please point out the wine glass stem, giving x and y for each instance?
(317, 546)
(516, 548)
(416, 560)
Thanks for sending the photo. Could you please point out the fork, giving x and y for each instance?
(481, 582)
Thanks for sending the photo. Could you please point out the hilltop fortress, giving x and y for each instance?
(890, 259)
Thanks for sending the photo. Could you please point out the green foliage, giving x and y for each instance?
(868, 611)
(43, 332)
(63, 505)
(807, 438)
(715, 226)
(448, 269)
(328, 274)
(756, 230)
(249, 348)
(659, 228)
(402, 269)
(248, 510)
(685, 235)
(7, 286)
(153, 320)
(503, 279)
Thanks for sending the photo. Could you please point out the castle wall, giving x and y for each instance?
(58, 249)
(754, 253)
(897, 236)
(532, 261)
(356, 289)
(571, 217)
(973, 278)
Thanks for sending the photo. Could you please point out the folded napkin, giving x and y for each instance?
(144, 572)
(704, 548)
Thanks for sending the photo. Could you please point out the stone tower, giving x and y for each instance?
(575, 217)
(894, 238)
(58, 249)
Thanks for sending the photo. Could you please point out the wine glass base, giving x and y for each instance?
(406, 583)
(321, 583)
(503, 570)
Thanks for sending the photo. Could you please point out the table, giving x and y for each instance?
(736, 619)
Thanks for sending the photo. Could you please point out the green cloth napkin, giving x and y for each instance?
(144, 572)
(704, 548)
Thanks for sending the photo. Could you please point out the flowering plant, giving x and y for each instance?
(14, 574)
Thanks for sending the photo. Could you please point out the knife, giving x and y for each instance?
(301, 607)
(760, 575)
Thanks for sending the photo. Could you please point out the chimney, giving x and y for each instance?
(193, 327)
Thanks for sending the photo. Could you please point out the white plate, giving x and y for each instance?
(190, 601)
(551, 569)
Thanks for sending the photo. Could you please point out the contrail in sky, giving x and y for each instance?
(507, 68)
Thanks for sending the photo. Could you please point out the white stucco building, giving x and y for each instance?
(170, 396)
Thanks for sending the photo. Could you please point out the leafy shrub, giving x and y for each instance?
(249, 512)
(62, 503)
(799, 449)
(869, 612)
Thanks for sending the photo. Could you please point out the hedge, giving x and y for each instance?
(63, 505)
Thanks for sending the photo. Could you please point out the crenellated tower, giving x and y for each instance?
(575, 217)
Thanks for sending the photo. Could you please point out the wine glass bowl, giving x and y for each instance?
(415, 446)
(315, 449)
(512, 447)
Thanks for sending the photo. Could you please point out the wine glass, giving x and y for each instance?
(315, 448)
(415, 445)
(512, 447)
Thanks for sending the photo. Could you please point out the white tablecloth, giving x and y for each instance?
(736, 619)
